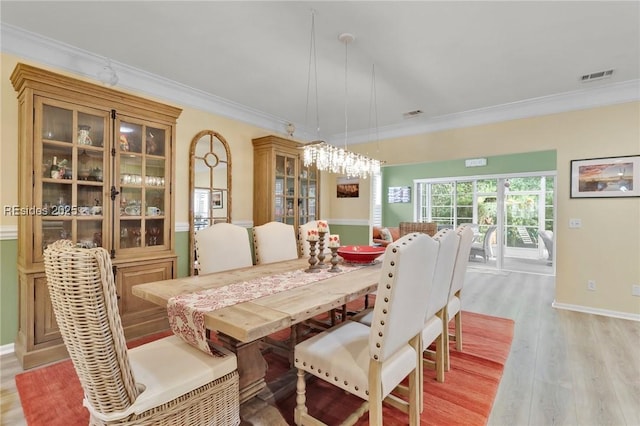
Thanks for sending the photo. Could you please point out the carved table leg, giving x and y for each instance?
(252, 367)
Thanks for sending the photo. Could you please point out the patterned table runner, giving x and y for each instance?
(186, 312)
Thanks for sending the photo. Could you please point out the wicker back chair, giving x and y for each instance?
(165, 382)
(429, 228)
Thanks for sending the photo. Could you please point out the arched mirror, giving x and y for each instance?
(209, 185)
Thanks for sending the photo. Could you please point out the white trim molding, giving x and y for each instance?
(7, 349)
(60, 55)
(596, 311)
(54, 53)
(593, 97)
(8, 232)
(184, 226)
(349, 222)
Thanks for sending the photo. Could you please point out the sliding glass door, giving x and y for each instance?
(509, 211)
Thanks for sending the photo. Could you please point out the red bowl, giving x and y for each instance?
(360, 254)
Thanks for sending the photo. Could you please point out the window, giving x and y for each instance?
(376, 200)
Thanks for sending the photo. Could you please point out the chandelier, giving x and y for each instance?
(327, 157)
(330, 158)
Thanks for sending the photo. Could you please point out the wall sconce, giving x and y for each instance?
(107, 75)
(291, 128)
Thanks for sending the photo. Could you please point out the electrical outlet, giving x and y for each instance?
(635, 290)
(575, 223)
(591, 285)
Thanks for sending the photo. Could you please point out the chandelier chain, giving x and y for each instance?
(346, 93)
(327, 157)
(313, 64)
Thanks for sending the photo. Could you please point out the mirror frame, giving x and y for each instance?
(192, 163)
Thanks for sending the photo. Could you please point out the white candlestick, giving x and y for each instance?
(334, 240)
(312, 235)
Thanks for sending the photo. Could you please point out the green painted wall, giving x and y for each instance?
(182, 250)
(9, 282)
(8, 291)
(351, 234)
(404, 175)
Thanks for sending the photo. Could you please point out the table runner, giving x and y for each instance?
(186, 312)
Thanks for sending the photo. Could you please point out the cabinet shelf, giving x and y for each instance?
(76, 125)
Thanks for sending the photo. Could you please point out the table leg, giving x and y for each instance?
(252, 367)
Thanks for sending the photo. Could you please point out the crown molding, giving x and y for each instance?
(50, 52)
(60, 55)
(593, 97)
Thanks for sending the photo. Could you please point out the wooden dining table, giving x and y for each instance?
(242, 326)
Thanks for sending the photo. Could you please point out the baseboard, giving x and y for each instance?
(7, 349)
(596, 311)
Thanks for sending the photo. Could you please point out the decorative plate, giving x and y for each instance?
(360, 254)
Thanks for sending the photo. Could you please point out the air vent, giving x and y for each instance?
(413, 113)
(596, 76)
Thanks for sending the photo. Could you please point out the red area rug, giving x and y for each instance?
(52, 395)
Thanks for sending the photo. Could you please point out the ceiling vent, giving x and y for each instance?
(412, 114)
(596, 76)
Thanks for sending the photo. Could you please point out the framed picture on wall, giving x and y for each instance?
(216, 199)
(606, 177)
(399, 194)
(348, 188)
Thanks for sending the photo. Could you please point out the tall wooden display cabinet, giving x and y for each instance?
(96, 166)
(284, 190)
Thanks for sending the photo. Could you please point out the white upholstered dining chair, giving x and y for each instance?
(164, 382)
(436, 302)
(370, 362)
(274, 242)
(439, 283)
(221, 247)
(454, 304)
(302, 237)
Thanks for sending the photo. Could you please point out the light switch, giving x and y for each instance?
(575, 223)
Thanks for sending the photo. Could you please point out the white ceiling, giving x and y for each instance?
(444, 58)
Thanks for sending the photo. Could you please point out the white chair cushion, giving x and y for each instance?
(439, 294)
(432, 329)
(168, 368)
(453, 307)
(341, 356)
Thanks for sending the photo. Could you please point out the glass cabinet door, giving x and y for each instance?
(70, 163)
(143, 169)
(285, 190)
(307, 196)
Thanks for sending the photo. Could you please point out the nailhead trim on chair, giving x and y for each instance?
(386, 289)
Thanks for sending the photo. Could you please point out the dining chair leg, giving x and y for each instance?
(445, 336)
(458, 320)
(375, 394)
(301, 408)
(440, 350)
(414, 397)
(420, 369)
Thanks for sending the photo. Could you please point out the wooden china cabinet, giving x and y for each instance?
(284, 190)
(96, 166)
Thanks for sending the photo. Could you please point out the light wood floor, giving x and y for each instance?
(565, 368)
